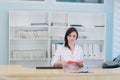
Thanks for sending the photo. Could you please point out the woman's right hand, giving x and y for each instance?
(64, 63)
(60, 63)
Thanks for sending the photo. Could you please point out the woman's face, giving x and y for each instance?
(72, 37)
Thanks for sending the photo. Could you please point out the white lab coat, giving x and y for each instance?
(64, 54)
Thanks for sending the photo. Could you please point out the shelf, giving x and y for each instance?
(57, 38)
(29, 26)
(43, 38)
(27, 59)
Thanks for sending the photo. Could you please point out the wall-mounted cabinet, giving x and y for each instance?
(35, 35)
(28, 38)
(41, 1)
(82, 1)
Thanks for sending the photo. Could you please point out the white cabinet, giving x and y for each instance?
(24, 0)
(35, 35)
(28, 38)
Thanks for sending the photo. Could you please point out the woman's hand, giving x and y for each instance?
(60, 64)
(80, 64)
(63, 63)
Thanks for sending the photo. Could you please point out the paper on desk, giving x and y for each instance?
(74, 68)
(73, 62)
(77, 70)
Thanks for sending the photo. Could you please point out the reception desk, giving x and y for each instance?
(16, 72)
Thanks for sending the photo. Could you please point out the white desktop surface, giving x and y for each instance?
(16, 72)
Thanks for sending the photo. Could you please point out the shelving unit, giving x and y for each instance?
(35, 35)
(91, 28)
(28, 38)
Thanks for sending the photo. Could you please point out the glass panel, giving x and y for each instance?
(82, 1)
(32, 0)
(23, 0)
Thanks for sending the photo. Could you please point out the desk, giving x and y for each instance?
(15, 72)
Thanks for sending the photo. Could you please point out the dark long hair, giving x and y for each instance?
(70, 30)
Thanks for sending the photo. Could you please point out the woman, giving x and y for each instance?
(69, 51)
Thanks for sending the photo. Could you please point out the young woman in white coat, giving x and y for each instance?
(69, 51)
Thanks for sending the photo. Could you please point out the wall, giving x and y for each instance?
(107, 8)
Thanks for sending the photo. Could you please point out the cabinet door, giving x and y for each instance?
(28, 37)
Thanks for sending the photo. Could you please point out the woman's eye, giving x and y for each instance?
(74, 36)
(69, 35)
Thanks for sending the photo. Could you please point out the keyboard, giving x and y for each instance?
(48, 67)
